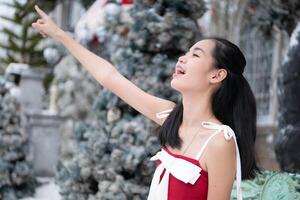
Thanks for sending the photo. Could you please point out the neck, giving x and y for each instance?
(196, 109)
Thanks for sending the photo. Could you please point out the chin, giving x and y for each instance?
(183, 87)
(176, 85)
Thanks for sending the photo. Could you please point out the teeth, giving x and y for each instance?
(181, 71)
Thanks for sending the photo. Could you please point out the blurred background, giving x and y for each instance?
(64, 136)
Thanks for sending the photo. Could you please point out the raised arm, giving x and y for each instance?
(104, 72)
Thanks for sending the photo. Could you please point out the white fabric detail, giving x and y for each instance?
(205, 144)
(164, 113)
(228, 134)
(181, 169)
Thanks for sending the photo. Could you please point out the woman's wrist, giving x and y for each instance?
(59, 35)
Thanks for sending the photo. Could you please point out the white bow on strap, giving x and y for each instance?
(228, 134)
(181, 169)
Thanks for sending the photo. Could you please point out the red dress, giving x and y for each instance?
(178, 177)
(179, 190)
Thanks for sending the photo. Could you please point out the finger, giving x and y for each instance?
(36, 25)
(40, 21)
(40, 12)
(42, 33)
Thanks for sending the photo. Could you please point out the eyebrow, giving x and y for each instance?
(199, 49)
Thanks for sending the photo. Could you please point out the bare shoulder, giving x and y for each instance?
(221, 166)
(219, 151)
(219, 146)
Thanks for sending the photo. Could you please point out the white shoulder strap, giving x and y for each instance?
(205, 144)
(163, 114)
(228, 134)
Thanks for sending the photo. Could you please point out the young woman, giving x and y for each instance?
(208, 138)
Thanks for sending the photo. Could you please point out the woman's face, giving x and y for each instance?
(197, 66)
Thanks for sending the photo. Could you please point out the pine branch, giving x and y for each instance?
(18, 18)
(30, 21)
(8, 4)
(26, 26)
(33, 44)
(26, 9)
(8, 59)
(34, 36)
(29, 7)
(18, 5)
(10, 48)
(36, 63)
(39, 52)
(24, 35)
(3, 46)
(12, 45)
(10, 20)
(10, 33)
(3, 60)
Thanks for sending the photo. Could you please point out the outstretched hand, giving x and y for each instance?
(45, 25)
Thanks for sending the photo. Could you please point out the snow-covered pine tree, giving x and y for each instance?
(16, 174)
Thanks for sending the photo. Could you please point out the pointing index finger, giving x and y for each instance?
(40, 12)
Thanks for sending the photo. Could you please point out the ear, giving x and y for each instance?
(218, 75)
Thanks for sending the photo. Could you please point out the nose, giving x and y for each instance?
(182, 59)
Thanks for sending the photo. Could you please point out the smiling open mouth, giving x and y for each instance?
(180, 70)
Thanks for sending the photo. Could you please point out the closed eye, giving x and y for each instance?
(196, 55)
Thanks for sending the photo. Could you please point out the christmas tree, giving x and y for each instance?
(22, 44)
(16, 175)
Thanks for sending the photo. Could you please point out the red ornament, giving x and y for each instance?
(95, 40)
(127, 1)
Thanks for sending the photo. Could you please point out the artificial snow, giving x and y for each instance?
(47, 191)
(293, 41)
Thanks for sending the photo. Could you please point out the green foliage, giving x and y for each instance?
(270, 185)
(22, 41)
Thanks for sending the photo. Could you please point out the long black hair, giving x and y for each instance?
(233, 104)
